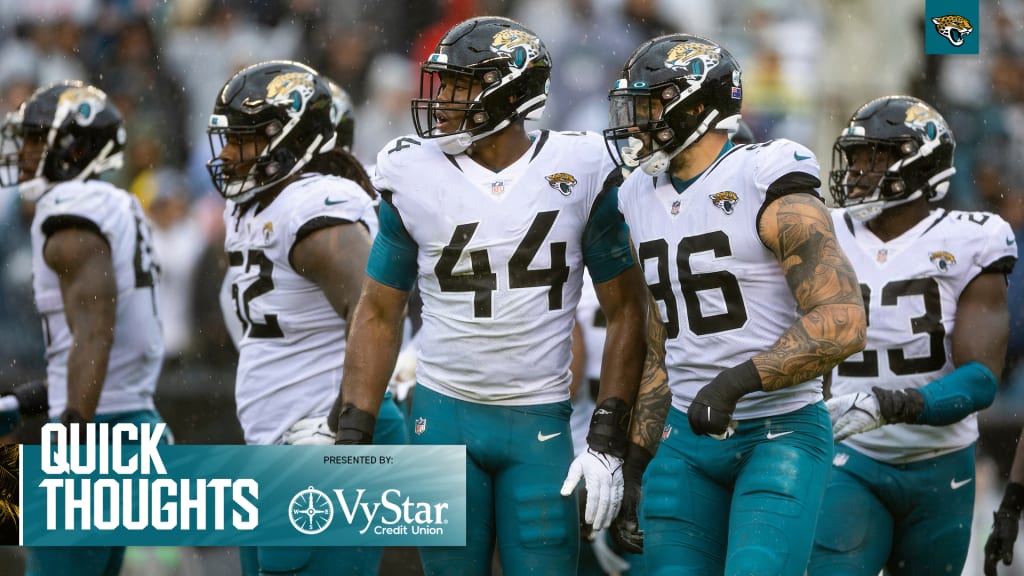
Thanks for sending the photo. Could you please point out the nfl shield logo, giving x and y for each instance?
(421, 426)
(666, 432)
(675, 208)
(882, 256)
(497, 187)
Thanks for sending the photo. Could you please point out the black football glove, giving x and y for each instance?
(1005, 525)
(625, 529)
(352, 425)
(710, 412)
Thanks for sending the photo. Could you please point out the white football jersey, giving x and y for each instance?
(721, 293)
(293, 341)
(138, 350)
(500, 261)
(594, 326)
(911, 286)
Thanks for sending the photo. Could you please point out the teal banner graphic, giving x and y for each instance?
(141, 493)
(951, 27)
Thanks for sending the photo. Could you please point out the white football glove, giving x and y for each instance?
(603, 476)
(404, 376)
(310, 432)
(854, 413)
(610, 562)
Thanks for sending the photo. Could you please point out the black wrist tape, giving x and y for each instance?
(637, 459)
(355, 426)
(609, 428)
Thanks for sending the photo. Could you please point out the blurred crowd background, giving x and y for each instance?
(807, 64)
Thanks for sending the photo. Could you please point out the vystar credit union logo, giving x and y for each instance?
(311, 511)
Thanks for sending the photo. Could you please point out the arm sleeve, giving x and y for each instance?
(606, 247)
(393, 256)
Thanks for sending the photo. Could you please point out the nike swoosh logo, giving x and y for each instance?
(541, 437)
(329, 202)
(773, 435)
(954, 483)
(798, 157)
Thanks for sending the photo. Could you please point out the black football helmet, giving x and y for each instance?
(694, 82)
(343, 116)
(286, 103)
(72, 131)
(499, 60)
(919, 146)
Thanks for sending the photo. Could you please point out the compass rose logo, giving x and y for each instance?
(310, 511)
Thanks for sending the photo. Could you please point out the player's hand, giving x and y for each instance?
(404, 376)
(603, 476)
(710, 412)
(999, 547)
(625, 529)
(611, 563)
(854, 413)
(310, 432)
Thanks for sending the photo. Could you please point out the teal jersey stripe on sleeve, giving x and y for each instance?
(606, 249)
(393, 256)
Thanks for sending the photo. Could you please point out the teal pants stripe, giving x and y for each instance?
(340, 561)
(747, 505)
(908, 518)
(517, 459)
(88, 560)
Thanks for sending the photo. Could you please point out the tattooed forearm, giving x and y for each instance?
(654, 397)
(799, 230)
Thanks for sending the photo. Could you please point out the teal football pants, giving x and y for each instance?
(516, 460)
(89, 560)
(908, 518)
(747, 505)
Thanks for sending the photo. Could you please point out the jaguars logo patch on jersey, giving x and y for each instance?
(725, 201)
(562, 181)
(953, 28)
(695, 57)
(943, 260)
(268, 231)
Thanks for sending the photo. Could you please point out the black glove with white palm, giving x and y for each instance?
(601, 465)
(859, 412)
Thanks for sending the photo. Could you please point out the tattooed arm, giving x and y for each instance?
(798, 229)
(654, 398)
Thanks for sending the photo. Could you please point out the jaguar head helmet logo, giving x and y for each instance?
(82, 103)
(725, 200)
(695, 58)
(521, 47)
(293, 89)
(954, 28)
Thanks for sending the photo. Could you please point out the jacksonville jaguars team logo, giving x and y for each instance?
(694, 58)
(943, 260)
(953, 28)
(520, 46)
(293, 90)
(924, 119)
(268, 231)
(725, 201)
(84, 104)
(562, 181)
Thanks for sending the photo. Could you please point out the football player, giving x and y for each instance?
(756, 302)
(298, 236)
(94, 275)
(905, 410)
(495, 224)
